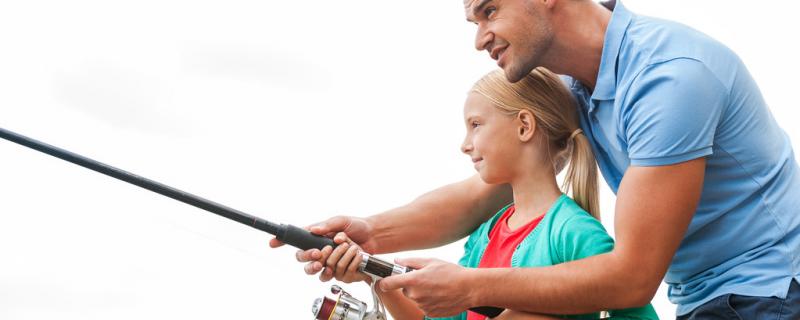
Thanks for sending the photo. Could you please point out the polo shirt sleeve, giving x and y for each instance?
(671, 113)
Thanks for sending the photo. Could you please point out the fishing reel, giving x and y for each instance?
(346, 307)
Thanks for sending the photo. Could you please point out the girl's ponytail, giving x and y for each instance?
(581, 176)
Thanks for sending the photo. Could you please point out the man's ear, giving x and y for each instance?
(526, 125)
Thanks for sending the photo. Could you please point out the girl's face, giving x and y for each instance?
(491, 141)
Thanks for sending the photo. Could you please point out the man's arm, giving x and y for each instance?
(654, 208)
(438, 217)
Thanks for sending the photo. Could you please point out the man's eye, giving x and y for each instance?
(489, 11)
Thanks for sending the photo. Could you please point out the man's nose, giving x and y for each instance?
(483, 39)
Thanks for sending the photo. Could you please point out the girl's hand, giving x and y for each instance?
(342, 262)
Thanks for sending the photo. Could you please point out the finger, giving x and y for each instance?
(324, 254)
(396, 281)
(312, 268)
(274, 243)
(331, 225)
(341, 237)
(326, 275)
(415, 263)
(353, 267)
(337, 254)
(307, 255)
(344, 262)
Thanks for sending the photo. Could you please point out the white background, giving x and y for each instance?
(293, 111)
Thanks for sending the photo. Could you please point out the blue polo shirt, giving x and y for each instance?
(667, 94)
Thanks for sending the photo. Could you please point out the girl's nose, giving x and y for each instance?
(466, 146)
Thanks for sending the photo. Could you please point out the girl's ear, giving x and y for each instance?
(527, 125)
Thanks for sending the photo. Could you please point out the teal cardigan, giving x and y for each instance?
(566, 233)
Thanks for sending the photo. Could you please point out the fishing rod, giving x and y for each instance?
(286, 233)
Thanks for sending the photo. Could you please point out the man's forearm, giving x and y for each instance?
(596, 283)
(654, 208)
(438, 217)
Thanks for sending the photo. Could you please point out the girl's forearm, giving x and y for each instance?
(400, 307)
(519, 315)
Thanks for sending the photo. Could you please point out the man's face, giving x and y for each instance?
(516, 33)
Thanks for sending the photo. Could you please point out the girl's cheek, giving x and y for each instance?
(478, 142)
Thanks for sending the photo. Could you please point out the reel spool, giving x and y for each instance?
(346, 307)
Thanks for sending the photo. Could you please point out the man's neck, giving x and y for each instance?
(578, 48)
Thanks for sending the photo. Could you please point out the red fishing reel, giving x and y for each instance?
(344, 306)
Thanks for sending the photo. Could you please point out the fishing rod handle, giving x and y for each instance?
(375, 267)
(302, 238)
(379, 269)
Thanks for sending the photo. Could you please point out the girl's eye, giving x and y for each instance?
(474, 124)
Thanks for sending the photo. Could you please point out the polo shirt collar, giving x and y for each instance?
(606, 85)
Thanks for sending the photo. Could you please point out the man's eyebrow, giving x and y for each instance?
(477, 9)
(480, 6)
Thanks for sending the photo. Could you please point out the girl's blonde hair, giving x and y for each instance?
(545, 95)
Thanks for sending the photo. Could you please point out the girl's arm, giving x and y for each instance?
(400, 307)
(519, 315)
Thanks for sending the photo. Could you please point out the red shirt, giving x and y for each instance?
(502, 243)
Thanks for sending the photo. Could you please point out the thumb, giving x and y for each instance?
(414, 263)
(395, 282)
(274, 243)
(334, 224)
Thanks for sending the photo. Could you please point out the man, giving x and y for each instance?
(708, 189)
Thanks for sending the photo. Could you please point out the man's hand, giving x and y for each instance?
(357, 229)
(439, 288)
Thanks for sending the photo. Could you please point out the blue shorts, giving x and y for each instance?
(732, 306)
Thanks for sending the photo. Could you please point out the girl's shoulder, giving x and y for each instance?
(574, 234)
(566, 215)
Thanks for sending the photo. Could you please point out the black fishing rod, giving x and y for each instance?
(289, 234)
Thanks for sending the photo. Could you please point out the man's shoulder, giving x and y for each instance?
(667, 46)
(660, 40)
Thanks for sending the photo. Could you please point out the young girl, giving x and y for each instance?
(522, 134)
